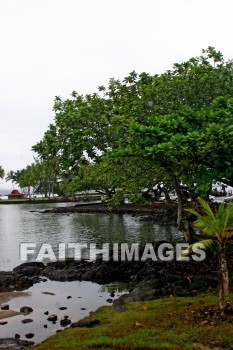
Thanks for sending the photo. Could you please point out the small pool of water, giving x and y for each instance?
(85, 297)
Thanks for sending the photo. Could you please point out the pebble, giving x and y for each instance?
(65, 322)
(26, 309)
(27, 320)
(29, 335)
(52, 318)
(4, 307)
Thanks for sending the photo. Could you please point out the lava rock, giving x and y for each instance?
(52, 318)
(26, 309)
(27, 320)
(29, 269)
(12, 343)
(65, 322)
(87, 324)
(29, 335)
(4, 307)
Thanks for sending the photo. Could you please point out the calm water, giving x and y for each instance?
(86, 297)
(19, 225)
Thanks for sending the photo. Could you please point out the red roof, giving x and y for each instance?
(15, 193)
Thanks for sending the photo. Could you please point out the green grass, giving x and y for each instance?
(26, 200)
(167, 324)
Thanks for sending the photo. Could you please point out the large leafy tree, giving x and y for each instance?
(86, 127)
(174, 121)
(192, 148)
(216, 229)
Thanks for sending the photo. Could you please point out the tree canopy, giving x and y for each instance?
(172, 130)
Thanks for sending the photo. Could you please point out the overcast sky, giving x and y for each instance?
(52, 47)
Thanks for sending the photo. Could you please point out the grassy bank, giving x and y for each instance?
(169, 323)
(28, 201)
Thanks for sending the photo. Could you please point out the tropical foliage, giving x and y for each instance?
(171, 131)
(216, 229)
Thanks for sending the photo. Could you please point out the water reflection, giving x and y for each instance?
(23, 223)
(50, 297)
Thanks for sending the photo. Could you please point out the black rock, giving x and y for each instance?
(52, 318)
(62, 308)
(26, 309)
(4, 307)
(46, 313)
(87, 324)
(69, 297)
(82, 308)
(2, 323)
(17, 336)
(27, 320)
(11, 281)
(65, 322)
(29, 335)
(45, 326)
(109, 300)
(112, 295)
(14, 343)
(29, 269)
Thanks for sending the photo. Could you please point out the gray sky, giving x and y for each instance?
(52, 47)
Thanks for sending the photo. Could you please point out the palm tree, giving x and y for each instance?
(11, 176)
(216, 229)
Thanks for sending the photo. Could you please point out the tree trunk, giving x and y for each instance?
(167, 196)
(224, 281)
(182, 223)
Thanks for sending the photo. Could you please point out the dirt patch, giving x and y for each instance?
(5, 297)
(8, 313)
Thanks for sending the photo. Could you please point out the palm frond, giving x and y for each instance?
(205, 243)
(206, 208)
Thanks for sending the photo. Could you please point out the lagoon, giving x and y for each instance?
(23, 223)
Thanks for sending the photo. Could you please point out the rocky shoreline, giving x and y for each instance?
(148, 280)
(164, 213)
(175, 278)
